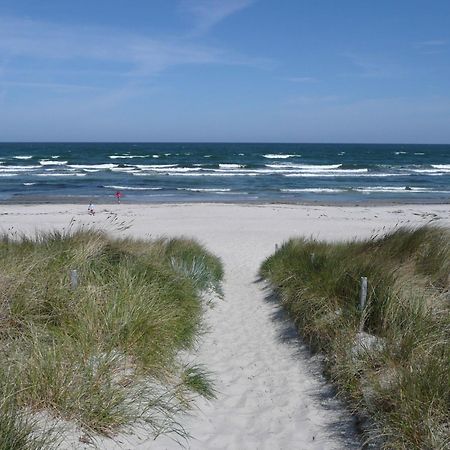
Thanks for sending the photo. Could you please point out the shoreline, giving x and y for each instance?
(106, 201)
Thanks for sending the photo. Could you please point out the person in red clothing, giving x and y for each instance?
(118, 195)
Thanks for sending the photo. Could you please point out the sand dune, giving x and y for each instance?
(271, 394)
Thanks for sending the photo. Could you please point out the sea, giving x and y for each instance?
(224, 172)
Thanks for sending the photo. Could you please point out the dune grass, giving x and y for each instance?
(103, 354)
(391, 360)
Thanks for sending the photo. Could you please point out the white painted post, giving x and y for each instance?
(363, 293)
(73, 279)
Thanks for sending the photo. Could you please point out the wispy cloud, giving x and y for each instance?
(207, 13)
(432, 43)
(369, 66)
(61, 87)
(97, 65)
(139, 55)
(432, 46)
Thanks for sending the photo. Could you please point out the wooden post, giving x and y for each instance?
(363, 293)
(313, 257)
(73, 279)
(276, 247)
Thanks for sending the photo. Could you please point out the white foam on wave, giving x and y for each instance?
(441, 166)
(301, 172)
(60, 174)
(93, 166)
(175, 169)
(314, 190)
(133, 188)
(397, 189)
(154, 166)
(28, 184)
(279, 156)
(231, 166)
(400, 153)
(8, 174)
(315, 167)
(18, 168)
(23, 157)
(203, 189)
(347, 174)
(47, 162)
(198, 174)
(127, 156)
(432, 171)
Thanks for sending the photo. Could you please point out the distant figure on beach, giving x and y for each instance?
(118, 195)
(91, 210)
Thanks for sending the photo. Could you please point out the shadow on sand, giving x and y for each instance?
(346, 430)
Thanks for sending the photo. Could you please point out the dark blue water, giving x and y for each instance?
(225, 172)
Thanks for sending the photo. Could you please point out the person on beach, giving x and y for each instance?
(118, 195)
(91, 210)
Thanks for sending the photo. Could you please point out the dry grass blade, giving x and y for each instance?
(102, 353)
(395, 371)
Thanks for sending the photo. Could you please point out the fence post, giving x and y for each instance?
(363, 293)
(73, 279)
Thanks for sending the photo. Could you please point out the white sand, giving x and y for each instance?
(271, 393)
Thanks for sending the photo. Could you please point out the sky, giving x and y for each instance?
(225, 70)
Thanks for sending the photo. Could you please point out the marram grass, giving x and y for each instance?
(391, 360)
(103, 354)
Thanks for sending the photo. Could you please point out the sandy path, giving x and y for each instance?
(268, 396)
(271, 393)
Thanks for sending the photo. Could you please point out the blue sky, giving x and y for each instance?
(225, 70)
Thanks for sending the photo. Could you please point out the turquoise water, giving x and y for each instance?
(351, 173)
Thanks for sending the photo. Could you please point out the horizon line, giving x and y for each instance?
(223, 142)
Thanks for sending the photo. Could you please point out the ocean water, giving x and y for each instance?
(152, 172)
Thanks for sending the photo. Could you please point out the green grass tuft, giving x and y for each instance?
(392, 360)
(199, 381)
(103, 354)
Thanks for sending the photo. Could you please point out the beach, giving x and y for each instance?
(271, 393)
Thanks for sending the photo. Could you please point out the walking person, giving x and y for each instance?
(118, 195)
(91, 210)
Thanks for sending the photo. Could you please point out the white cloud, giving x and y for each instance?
(108, 65)
(137, 54)
(208, 13)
